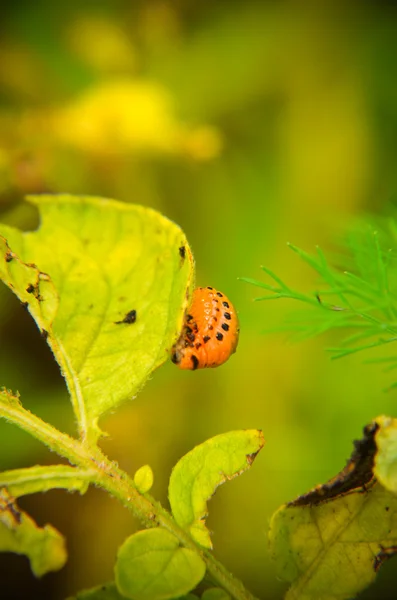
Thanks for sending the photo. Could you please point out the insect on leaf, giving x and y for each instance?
(108, 287)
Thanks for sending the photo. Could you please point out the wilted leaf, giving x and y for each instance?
(107, 283)
(151, 565)
(330, 542)
(44, 547)
(197, 475)
(385, 467)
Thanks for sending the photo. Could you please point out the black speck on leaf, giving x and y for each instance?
(129, 318)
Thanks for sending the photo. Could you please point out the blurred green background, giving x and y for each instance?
(250, 124)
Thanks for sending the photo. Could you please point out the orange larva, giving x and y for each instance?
(209, 334)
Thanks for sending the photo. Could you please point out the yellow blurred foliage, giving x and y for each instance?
(125, 115)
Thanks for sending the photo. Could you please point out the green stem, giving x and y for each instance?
(59, 442)
(107, 475)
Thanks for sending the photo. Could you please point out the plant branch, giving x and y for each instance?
(104, 473)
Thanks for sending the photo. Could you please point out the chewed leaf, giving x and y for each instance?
(44, 547)
(197, 475)
(108, 284)
(151, 565)
(33, 287)
(107, 591)
(330, 542)
(386, 458)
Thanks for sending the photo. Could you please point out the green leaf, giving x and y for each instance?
(151, 565)
(143, 479)
(385, 468)
(330, 542)
(197, 475)
(107, 284)
(108, 591)
(20, 482)
(44, 547)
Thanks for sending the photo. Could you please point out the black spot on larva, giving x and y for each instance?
(227, 316)
(129, 318)
(219, 336)
(198, 345)
(25, 305)
(215, 318)
(190, 335)
(44, 334)
(209, 288)
(206, 339)
(225, 327)
(217, 309)
(9, 256)
(182, 252)
(210, 327)
(189, 318)
(175, 358)
(195, 361)
(219, 294)
(225, 304)
(30, 289)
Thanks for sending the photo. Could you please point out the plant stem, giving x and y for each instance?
(108, 476)
(148, 510)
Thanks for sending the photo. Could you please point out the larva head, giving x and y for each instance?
(210, 332)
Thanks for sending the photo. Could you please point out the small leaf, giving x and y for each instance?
(386, 458)
(20, 482)
(330, 542)
(108, 285)
(44, 547)
(197, 475)
(143, 479)
(151, 565)
(108, 591)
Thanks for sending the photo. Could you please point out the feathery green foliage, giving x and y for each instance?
(358, 295)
